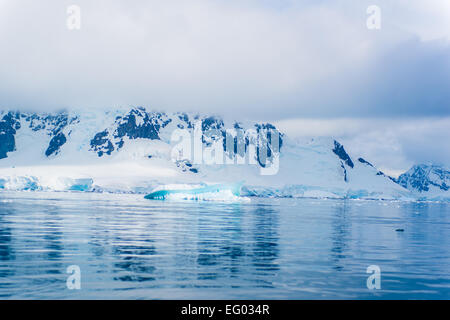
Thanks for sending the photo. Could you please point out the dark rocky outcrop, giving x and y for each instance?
(365, 162)
(147, 129)
(187, 123)
(8, 126)
(422, 177)
(101, 144)
(52, 124)
(55, 144)
(212, 123)
(344, 171)
(265, 145)
(342, 154)
(136, 124)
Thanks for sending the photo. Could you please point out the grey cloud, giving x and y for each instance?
(393, 145)
(251, 59)
(263, 60)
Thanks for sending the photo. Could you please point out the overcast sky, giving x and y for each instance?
(311, 66)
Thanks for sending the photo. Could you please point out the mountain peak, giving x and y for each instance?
(426, 177)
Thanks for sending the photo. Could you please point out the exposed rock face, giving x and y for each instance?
(365, 162)
(344, 171)
(138, 123)
(423, 177)
(55, 144)
(342, 154)
(212, 123)
(8, 126)
(52, 124)
(141, 124)
(101, 144)
(262, 139)
(265, 145)
(187, 123)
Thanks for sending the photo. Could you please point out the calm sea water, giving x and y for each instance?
(131, 248)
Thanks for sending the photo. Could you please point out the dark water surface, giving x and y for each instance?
(131, 248)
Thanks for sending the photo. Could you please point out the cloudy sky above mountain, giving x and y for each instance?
(312, 66)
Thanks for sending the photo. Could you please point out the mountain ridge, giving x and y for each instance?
(129, 150)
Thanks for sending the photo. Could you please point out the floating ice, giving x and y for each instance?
(26, 183)
(217, 192)
(80, 184)
(31, 183)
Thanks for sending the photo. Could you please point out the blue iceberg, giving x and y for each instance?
(25, 183)
(81, 185)
(207, 192)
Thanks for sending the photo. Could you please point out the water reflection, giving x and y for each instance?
(52, 238)
(231, 242)
(219, 248)
(340, 236)
(233, 249)
(133, 247)
(265, 236)
(99, 236)
(260, 250)
(6, 248)
(133, 259)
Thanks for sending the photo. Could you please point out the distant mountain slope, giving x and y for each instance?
(427, 181)
(130, 150)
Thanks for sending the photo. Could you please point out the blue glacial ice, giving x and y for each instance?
(80, 184)
(31, 183)
(25, 183)
(216, 192)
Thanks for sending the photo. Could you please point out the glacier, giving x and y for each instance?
(128, 150)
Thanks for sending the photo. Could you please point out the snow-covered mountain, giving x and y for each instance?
(131, 150)
(427, 181)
